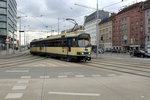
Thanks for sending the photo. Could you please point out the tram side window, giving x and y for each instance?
(74, 42)
(64, 41)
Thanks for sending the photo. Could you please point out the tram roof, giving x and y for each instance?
(72, 34)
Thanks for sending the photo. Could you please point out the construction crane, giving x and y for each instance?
(85, 6)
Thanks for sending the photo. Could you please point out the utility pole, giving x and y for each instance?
(58, 26)
(51, 30)
(97, 31)
(20, 35)
(13, 39)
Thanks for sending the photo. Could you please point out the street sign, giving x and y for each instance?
(1, 41)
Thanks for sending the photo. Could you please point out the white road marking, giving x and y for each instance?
(142, 96)
(17, 71)
(14, 95)
(62, 76)
(23, 81)
(26, 77)
(51, 65)
(75, 94)
(21, 87)
(96, 75)
(79, 75)
(44, 76)
(111, 74)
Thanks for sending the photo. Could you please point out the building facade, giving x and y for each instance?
(8, 21)
(90, 24)
(147, 25)
(129, 28)
(105, 30)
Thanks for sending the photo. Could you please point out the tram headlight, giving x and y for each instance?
(90, 53)
(80, 53)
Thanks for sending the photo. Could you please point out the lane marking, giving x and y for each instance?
(44, 76)
(96, 75)
(111, 75)
(62, 76)
(53, 65)
(17, 71)
(26, 77)
(79, 75)
(14, 95)
(21, 87)
(75, 94)
(23, 81)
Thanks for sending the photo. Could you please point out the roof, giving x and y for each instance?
(131, 7)
(102, 14)
(106, 20)
(72, 34)
(147, 4)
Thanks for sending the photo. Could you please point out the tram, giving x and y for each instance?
(70, 46)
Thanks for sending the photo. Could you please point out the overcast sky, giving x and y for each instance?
(51, 10)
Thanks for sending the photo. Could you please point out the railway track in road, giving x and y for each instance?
(12, 62)
(134, 69)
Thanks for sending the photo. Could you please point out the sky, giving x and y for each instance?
(43, 15)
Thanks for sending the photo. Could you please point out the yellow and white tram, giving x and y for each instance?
(71, 46)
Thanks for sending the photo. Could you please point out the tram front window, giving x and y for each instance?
(83, 43)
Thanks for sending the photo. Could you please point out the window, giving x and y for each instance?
(136, 28)
(149, 21)
(2, 4)
(141, 28)
(3, 11)
(2, 25)
(74, 42)
(2, 18)
(148, 29)
(2, 31)
(148, 38)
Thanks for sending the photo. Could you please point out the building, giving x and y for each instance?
(128, 28)
(147, 25)
(90, 24)
(8, 21)
(105, 30)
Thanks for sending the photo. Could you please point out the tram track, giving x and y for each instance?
(21, 62)
(119, 68)
(145, 67)
(18, 60)
(125, 63)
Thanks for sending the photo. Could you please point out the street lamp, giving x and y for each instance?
(19, 17)
(13, 39)
(25, 34)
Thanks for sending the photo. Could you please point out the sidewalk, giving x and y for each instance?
(3, 54)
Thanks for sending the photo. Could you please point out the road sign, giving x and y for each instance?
(1, 41)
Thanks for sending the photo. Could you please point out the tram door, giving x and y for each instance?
(69, 42)
(64, 46)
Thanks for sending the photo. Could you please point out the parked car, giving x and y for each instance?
(141, 53)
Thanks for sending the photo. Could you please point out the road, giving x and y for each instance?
(31, 77)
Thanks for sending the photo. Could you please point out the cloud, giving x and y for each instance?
(52, 9)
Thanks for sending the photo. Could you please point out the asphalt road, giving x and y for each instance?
(38, 78)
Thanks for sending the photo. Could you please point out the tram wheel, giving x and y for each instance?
(68, 59)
